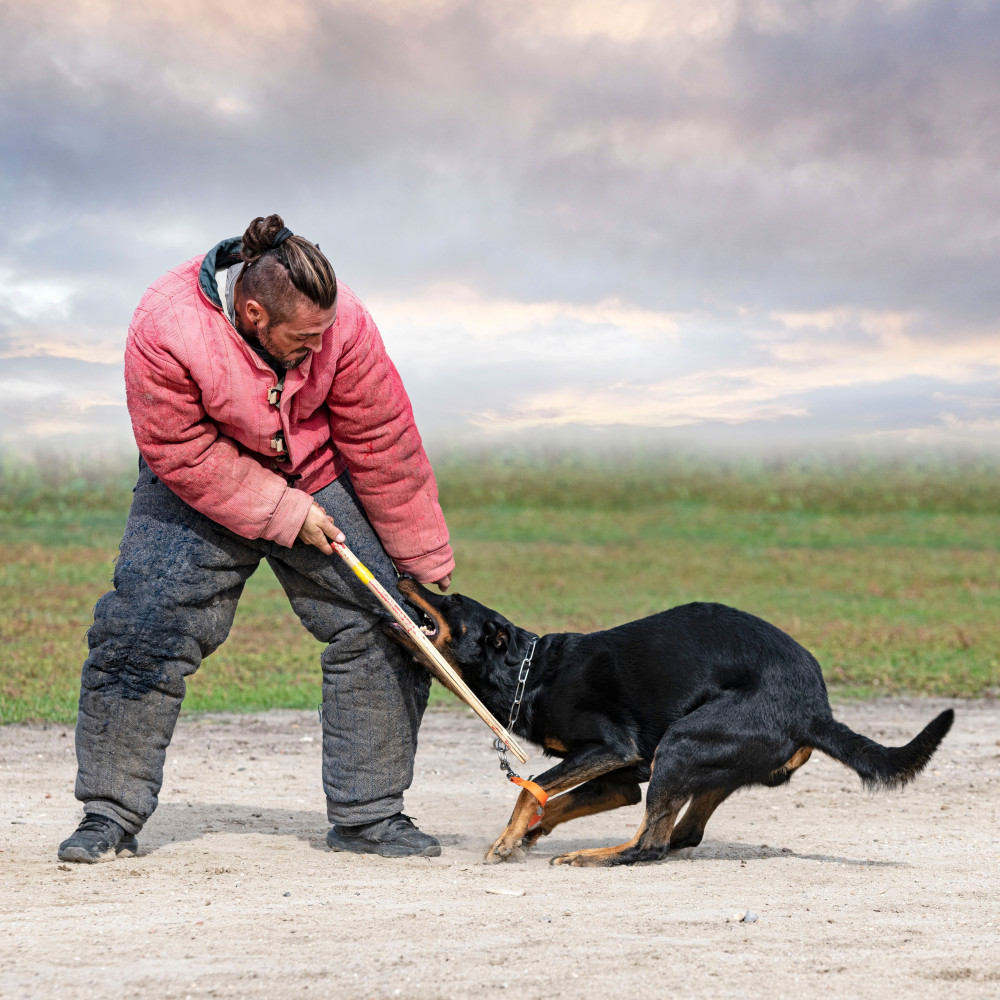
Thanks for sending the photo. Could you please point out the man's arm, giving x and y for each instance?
(206, 469)
(373, 428)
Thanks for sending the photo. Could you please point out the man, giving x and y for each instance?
(269, 422)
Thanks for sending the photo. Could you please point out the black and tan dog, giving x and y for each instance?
(699, 701)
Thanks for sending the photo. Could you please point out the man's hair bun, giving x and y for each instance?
(259, 236)
(277, 275)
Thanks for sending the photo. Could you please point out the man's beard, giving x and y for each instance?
(292, 361)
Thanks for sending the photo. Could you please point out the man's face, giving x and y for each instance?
(289, 343)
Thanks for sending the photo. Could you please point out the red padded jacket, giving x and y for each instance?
(198, 398)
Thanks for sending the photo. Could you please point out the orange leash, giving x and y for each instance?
(537, 791)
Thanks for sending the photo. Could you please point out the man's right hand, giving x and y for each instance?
(319, 528)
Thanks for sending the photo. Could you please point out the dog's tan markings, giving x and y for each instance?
(527, 805)
(653, 833)
(569, 806)
(551, 743)
(600, 853)
(697, 814)
(509, 841)
(441, 640)
(404, 640)
(794, 762)
(411, 589)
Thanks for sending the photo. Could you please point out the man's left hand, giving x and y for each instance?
(444, 583)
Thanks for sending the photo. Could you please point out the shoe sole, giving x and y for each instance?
(337, 843)
(81, 856)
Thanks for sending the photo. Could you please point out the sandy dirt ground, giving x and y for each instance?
(234, 893)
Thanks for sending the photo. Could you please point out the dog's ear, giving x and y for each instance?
(496, 636)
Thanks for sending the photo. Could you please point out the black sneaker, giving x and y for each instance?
(98, 838)
(395, 837)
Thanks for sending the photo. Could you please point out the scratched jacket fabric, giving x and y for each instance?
(198, 398)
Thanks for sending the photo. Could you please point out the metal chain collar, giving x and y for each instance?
(515, 710)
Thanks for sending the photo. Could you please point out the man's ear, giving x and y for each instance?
(256, 313)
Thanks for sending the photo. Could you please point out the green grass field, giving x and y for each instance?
(889, 572)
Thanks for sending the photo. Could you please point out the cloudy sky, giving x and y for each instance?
(726, 221)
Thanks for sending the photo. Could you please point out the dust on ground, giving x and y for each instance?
(234, 893)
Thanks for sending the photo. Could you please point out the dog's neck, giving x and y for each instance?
(501, 688)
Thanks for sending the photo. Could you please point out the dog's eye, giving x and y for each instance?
(500, 640)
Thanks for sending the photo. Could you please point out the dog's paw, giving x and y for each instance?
(591, 861)
(582, 859)
(503, 851)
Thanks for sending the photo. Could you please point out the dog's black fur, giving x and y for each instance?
(699, 701)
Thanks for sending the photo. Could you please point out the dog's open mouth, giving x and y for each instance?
(427, 624)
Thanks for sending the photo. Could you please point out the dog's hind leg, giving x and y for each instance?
(691, 828)
(696, 757)
(610, 791)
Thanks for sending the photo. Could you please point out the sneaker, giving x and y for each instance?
(98, 838)
(395, 837)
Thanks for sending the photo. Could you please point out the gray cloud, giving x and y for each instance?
(782, 158)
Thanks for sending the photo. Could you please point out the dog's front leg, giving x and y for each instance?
(568, 773)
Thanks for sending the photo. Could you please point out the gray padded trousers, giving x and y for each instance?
(177, 580)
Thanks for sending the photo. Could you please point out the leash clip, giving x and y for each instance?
(501, 749)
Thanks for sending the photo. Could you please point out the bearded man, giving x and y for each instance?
(269, 421)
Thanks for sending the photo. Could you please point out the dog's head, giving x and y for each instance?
(479, 643)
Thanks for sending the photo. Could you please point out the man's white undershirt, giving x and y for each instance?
(225, 281)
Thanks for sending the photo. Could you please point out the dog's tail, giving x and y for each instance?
(879, 766)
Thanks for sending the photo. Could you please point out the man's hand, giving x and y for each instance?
(319, 528)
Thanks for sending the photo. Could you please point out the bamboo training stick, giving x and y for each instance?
(439, 666)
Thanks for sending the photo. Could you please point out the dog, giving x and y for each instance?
(698, 701)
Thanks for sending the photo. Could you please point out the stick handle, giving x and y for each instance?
(440, 667)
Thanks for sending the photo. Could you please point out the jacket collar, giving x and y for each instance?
(226, 254)
(222, 255)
